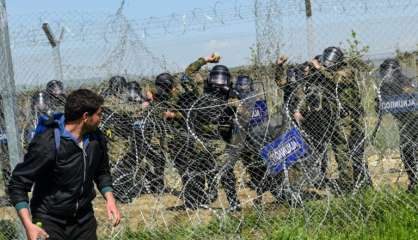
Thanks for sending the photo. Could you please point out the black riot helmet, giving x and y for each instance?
(164, 81)
(390, 69)
(244, 83)
(244, 86)
(134, 92)
(332, 57)
(295, 74)
(55, 88)
(40, 103)
(219, 80)
(165, 85)
(117, 84)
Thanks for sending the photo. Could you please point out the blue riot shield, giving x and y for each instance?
(285, 151)
(399, 104)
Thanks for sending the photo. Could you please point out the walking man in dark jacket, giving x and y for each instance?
(62, 164)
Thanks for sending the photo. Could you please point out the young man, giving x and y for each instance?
(63, 163)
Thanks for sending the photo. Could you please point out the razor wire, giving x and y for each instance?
(158, 163)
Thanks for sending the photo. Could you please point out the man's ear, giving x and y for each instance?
(85, 116)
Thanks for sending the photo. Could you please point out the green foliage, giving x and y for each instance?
(355, 47)
(356, 51)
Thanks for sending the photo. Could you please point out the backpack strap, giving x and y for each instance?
(57, 139)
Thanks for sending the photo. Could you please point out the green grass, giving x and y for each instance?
(388, 214)
(7, 230)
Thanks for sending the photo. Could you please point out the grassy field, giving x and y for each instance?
(386, 214)
(374, 213)
(147, 217)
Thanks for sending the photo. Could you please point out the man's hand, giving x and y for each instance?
(34, 232)
(169, 115)
(298, 118)
(282, 60)
(316, 64)
(112, 210)
(145, 104)
(213, 58)
(150, 96)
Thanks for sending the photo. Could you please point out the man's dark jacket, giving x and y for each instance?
(62, 180)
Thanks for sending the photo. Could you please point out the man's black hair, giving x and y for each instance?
(80, 102)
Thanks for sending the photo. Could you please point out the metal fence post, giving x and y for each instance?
(8, 94)
(8, 90)
(310, 31)
(56, 47)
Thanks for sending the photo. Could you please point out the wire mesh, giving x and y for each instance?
(318, 147)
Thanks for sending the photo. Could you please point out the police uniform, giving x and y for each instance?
(157, 134)
(209, 121)
(408, 126)
(117, 124)
(348, 138)
(307, 94)
(255, 131)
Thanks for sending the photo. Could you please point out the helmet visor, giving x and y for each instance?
(244, 88)
(134, 95)
(328, 63)
(219, 79)
(389, 72)
(330, 59)
(40, 103)
(292, 75)
(57, 90)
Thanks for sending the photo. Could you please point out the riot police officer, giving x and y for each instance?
(55, 87)
(343, 103)
(116, 95)
(244, 87)
(134, 92)
(133, 172)
(290, 79)
(164, 117)
(209, 121)
(164, 84)
(56, 94)
(255, 130)
(304, 90)
(41, 104)
(317, 125)
(395, 84)
(116, 87)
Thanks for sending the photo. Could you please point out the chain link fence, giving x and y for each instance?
(300, 151)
